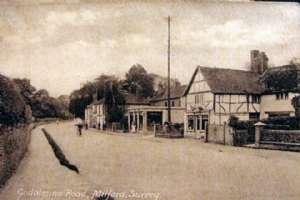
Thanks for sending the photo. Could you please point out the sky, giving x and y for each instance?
(59, 46)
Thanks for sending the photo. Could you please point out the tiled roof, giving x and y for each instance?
(175, 92)
(229, 81)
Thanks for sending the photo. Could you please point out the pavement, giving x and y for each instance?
(144, 167)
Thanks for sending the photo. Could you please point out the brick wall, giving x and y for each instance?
(13, 146)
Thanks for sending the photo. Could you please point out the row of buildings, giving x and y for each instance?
(212, 96)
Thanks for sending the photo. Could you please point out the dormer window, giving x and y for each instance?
(282, 96)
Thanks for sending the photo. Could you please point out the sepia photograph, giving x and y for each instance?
(149, 100)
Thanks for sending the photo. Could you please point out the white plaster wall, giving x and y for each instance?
(177, 116)
(270, 104)
(207, 98)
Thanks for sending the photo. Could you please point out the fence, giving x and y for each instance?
(277, 139)
(13, 145)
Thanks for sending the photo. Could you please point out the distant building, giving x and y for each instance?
(95, 114)
(140, 113)
(144, 117)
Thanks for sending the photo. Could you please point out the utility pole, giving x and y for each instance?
(169, 48)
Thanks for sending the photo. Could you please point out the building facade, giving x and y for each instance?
(143, 118)
(95, 115)
(214, 94)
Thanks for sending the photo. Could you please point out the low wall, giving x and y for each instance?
(280, 139)
(221, 134)
(13, 146)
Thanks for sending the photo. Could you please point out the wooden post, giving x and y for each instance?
(145, 125)
(224, 133)
(129, 127)
(169, 47)
(138, 122)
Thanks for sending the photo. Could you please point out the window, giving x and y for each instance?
(173, 103)
(190, 123)
(255, 99)
(254, 116)
(198, 123)
(199, 99)
(278, 114)
(166, 103)
(204, 122)
(281, 96)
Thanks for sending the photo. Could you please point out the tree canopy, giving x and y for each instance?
(41, 103)
(138, 81)
(12, 106)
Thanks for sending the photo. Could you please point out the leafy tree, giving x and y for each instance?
(102, 86)
(13, 109)
(114, 101)
(41, 103)
(26, 89)
(138, 81)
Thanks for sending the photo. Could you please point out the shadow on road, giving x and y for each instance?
(59, 153)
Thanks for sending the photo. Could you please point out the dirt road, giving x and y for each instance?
(144, 167)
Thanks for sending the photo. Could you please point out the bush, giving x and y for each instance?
(235, 123)
(282, 123)
(12, 106)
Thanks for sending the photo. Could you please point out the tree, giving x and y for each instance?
(13, 109)
(114, 101)
(138, 81)
(102, 86)
(26, 89)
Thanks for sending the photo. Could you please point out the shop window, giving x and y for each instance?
(190, 123)
(198, 123)
(204, 122)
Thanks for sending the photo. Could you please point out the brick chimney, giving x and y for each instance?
(258, 61)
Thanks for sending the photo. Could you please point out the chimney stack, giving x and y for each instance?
(259, 61)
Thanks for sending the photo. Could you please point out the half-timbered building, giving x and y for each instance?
(214, 94)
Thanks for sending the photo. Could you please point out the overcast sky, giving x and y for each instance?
(59, 46)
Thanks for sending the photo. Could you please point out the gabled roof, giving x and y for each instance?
(229, 81)
(175, 92)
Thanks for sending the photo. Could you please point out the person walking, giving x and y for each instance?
(79, 124)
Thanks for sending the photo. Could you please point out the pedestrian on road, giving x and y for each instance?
(79, 124)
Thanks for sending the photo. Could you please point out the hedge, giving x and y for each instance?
(12, 106)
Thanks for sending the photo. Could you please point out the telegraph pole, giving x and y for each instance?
(169, 48)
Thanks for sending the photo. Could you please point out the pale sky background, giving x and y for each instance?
(60, 45)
